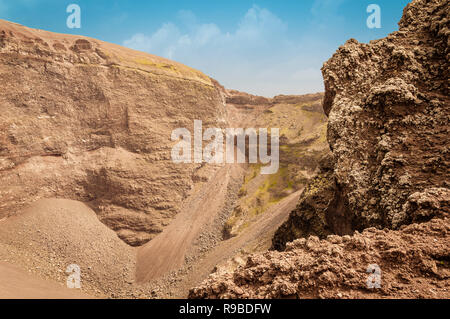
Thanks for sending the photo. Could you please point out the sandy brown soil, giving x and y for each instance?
(167, 251)
(18, 284)
(256, 238)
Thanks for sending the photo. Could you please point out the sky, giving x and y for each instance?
(256, 46)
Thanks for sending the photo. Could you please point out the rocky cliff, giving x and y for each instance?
(91, 121)
(388, 130)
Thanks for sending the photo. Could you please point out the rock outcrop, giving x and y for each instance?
(388, 128)
(412, 263)
(388, 113)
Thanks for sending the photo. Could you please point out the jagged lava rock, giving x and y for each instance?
(388, 128)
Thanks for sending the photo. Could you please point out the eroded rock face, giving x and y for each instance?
(388, 113)
(388, 109)
(91, 121)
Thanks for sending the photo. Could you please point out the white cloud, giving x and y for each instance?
(257, 57)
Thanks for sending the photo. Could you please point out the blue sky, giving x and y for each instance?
(258, 46)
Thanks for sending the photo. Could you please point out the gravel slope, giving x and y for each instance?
(52, 234)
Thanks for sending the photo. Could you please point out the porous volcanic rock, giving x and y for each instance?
(388, 111)
(413, 263)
